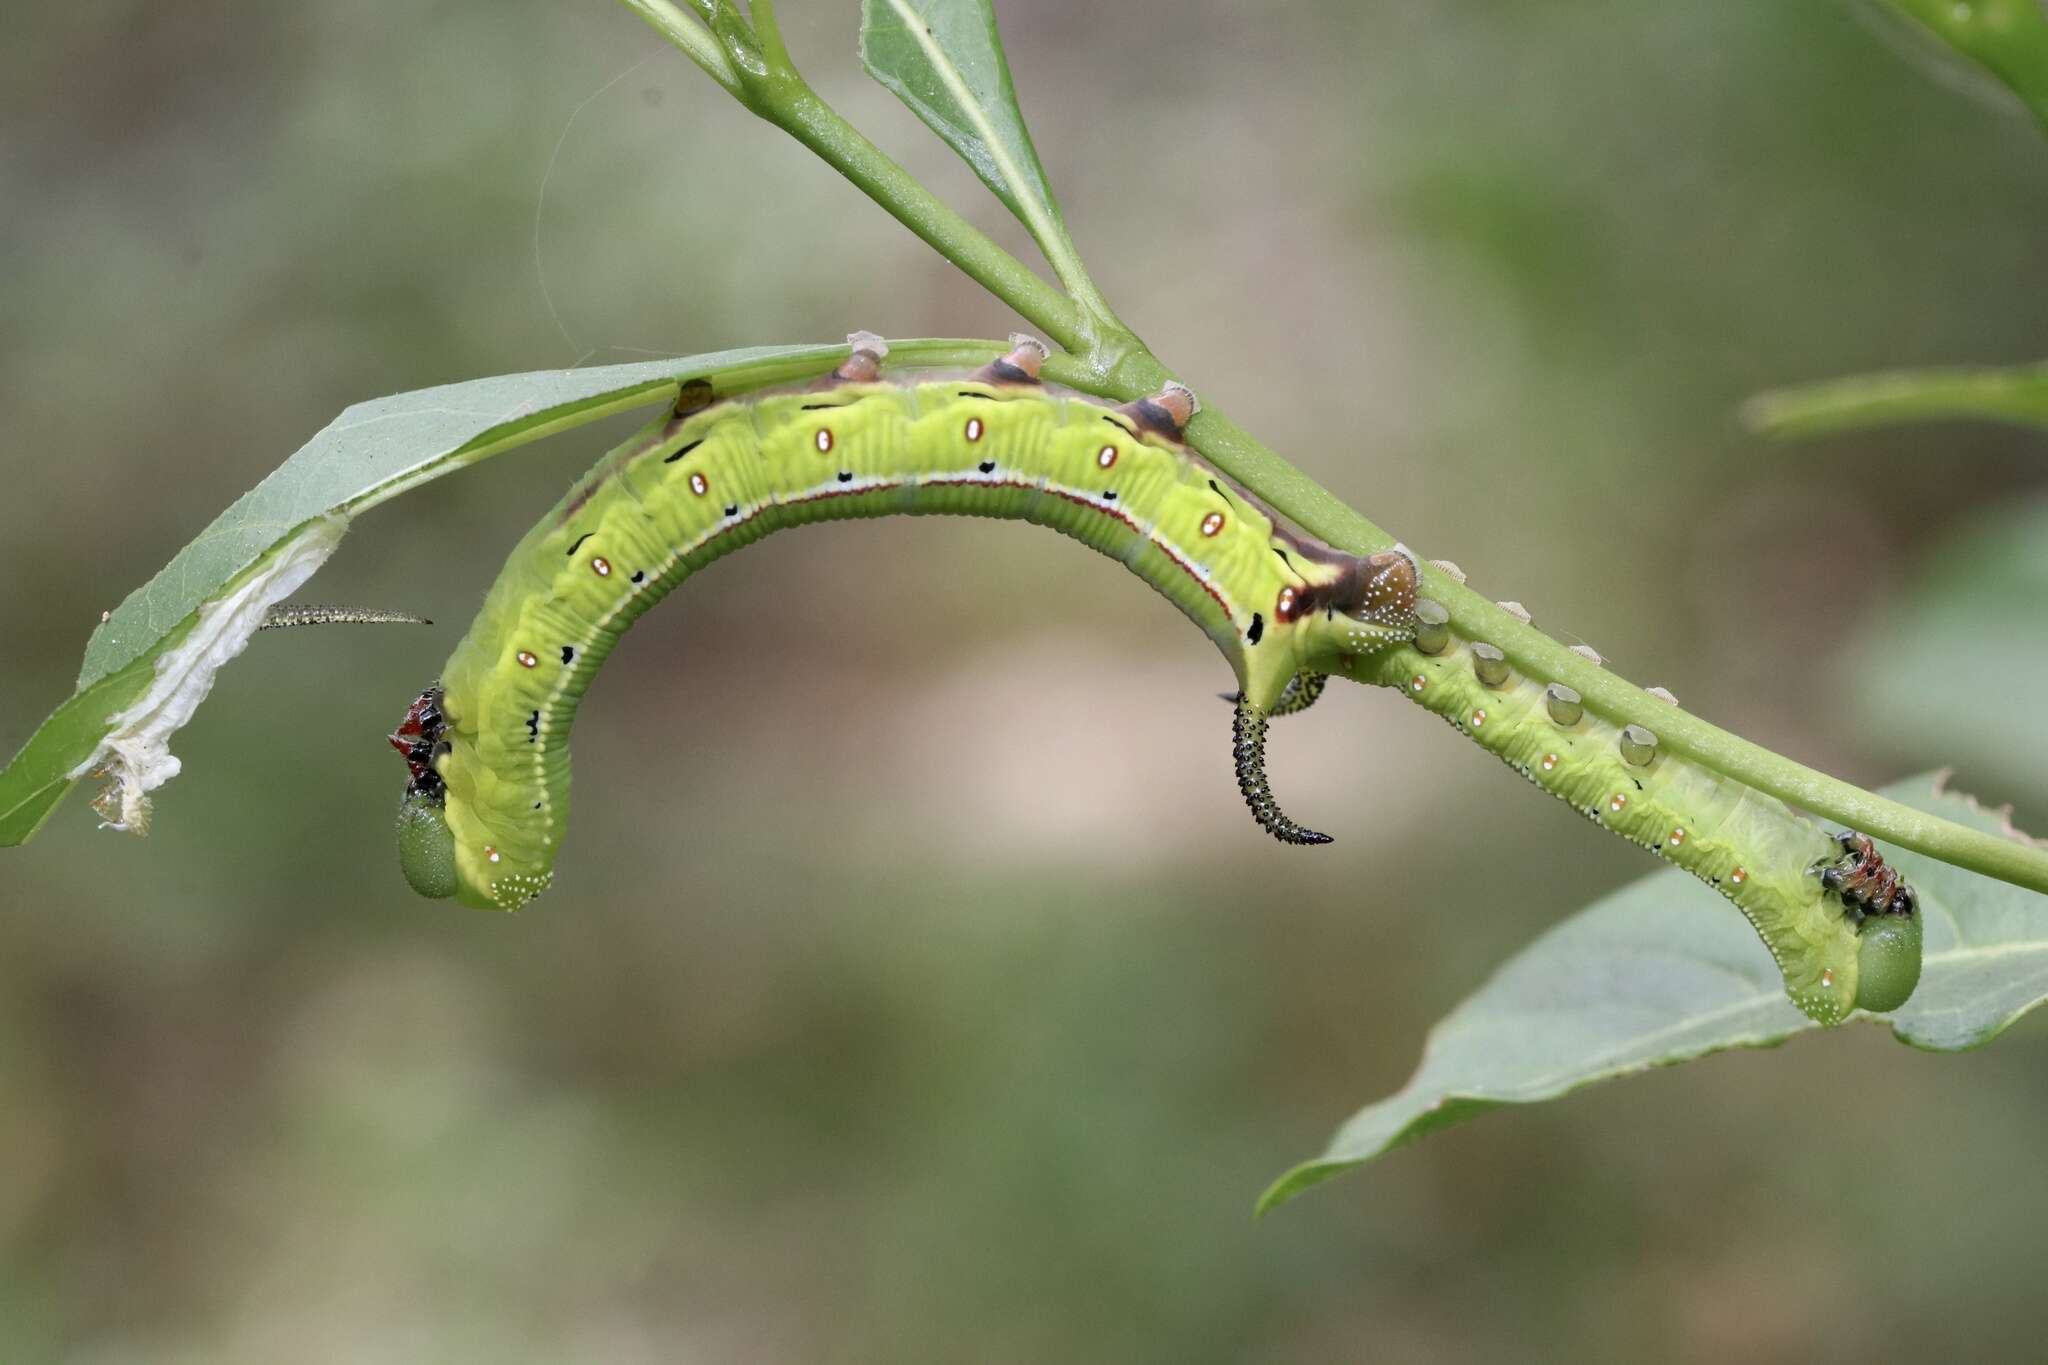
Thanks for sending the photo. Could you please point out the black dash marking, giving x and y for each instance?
(671, 459)
(970, 393)
(1283, 556)
(846, 476)
(579, 541)
(568, 654)
(1119, 423)
(1639, 783)
(987, 466)
(1258, 630)
(639, 575)
(1109, 495)
(536, 805)
(1218, 491)
(732, 509)
(533, 727)
(815, 407)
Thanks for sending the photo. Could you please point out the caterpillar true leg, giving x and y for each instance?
(1303, 690)
(1248, 747)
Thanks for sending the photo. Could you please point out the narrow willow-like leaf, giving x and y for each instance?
(2017, 394)
(945, 60)
(1663, 972)
(2009, 38)
(372, 452)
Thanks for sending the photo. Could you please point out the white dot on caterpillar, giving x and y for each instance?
(601, 566)
(1677, 837)
(974, 428)
(1106, 456)
(1549, 762)
(1417, 683)
(526, 660)
(1212, 523)
(699, 485)
(1739, 875)
(1617, 803)
(490, 854)
(1827, 976)
(1478, 718)
(824, 440)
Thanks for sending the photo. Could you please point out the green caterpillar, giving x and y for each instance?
(1845, 932)
(488, 752)
(488, 748)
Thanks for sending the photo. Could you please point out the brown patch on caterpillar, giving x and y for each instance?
(863, 366)
(417, 739)
(694, 396)
(1866, 884)
(1165, 413)
(1021, 366)
(1378, 587)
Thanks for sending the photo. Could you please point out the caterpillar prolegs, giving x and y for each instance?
(487, 748)
(1844, 929)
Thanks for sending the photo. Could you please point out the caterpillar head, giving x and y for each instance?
(426, 849)
(1886, 913)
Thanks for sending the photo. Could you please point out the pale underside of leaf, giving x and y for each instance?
(1664, 971)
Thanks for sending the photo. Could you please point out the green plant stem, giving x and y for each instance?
(1123, 367)
(695, 42)
(2006, 394)
(1038, 217)
(783, 99)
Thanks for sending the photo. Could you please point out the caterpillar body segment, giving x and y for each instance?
(1809, 895)
(715, 476)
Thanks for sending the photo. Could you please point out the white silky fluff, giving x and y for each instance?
(135, 755)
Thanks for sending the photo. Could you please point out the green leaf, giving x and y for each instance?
(945, 60)
(378, 449)
(2009, 38)
(39, 777)
(289, 522)
(1976, 596)
(1665, 970)
(2018, 394)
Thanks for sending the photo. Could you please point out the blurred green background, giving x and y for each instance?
(915, 986)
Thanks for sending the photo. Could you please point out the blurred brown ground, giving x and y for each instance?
(916, 987)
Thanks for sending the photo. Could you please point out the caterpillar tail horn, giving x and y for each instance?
(1248, 747)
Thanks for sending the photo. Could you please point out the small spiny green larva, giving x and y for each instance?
(487, 748)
